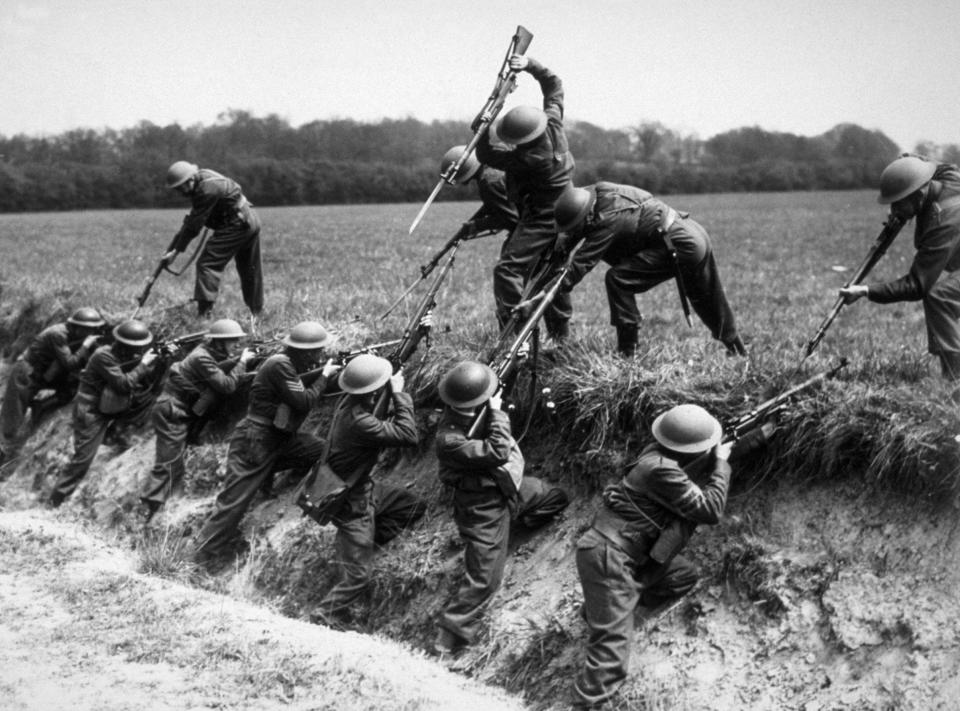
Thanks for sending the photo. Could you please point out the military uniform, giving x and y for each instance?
(187, 381)
(535, 176)
(483, 512)
(258, 449)
(614, 563)
(103, 371)
(219, 204)
(497, 212)
(373, 512)
(51, 362)
(934, 276)
(624, 230)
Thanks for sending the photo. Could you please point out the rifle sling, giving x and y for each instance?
(667, 218)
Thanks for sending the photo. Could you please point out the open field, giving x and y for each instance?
(831, 583)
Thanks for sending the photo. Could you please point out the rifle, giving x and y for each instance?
(163, 266)
(891, 228)
(506, 82)
(464, 234)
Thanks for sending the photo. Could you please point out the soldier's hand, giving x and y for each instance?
(396, 382)
(330, 368)
(854, 292)
(496, 401)
(149, 357)
(426, 323)
(89, 342)
(484, 117)
(246, 355)
(723, 451)
(518, 62)
(169, 257)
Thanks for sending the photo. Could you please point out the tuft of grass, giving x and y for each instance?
(164, 552)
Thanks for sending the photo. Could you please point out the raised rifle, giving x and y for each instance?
(506, 82)
(891, 228)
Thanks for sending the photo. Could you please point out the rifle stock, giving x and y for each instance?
(891, 228)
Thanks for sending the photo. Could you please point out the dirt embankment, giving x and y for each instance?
(813, 598)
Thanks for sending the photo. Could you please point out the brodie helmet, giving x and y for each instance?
(468, 168)
(903, 177)
(687, 429)
(306, 336)
(364, 374)
(180, 172)
(521, 124)
(468, 384)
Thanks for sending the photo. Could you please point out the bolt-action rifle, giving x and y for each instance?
(164, 265)
(891, 228)
(745, 432)
(506, 83)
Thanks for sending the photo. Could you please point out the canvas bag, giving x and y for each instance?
(322, 491)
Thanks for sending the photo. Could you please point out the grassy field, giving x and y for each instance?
(782, 257)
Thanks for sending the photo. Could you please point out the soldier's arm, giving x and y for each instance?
(672, 488)
(291, 390)
(928, 264)
(203, 204)
(550, 86)
(108, 369)
(398, 431)
(214, 377)
(491, 451)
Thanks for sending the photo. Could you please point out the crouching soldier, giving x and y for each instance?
(486, 472)
(106, 393)
(191, 387)
(373, 512)
(629, 555)
(267, 440)
(52, 362)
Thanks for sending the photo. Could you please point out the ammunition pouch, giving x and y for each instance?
(112, 402)
(672, 540)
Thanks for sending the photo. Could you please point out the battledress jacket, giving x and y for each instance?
(217, 200)
(277, 382)
(472, 462)
(193, 375)
(51, 346)
(623, 221)
(498, 211)
(936, 239)
(538, 172)
(104, 370)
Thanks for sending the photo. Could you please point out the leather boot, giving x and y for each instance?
(736, 347)
(627, 339)
(204, 308)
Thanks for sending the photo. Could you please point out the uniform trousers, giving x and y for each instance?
(613, 585)
(89, 427)
(650, 267)
(239, 241)
(171, 423)
(483, 519)
(941, 307)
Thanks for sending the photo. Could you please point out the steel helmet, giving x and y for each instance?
(904, 177)
(225, 328)
(521, 124)
(86, 317)
(468, 168)
(572, 206)
(364, 374)
(180, 172)
(133, 333)
(306, 336)
(688, 429)
(468, 384)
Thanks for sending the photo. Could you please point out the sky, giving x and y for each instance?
(697, 66)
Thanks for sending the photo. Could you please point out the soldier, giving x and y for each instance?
(106, 393)
(497, 211)
(537, 170)
(637, 235)
(914, 186)
(191, 387)
(52, 362)
(619, 559)
(486, 472)
(373, 512)
(267, 440)
(219, 204)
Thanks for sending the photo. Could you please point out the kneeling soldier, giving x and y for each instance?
(188, 391)
(52, 362)
(486, 472)
(619, 560)
(373, 512)
(106, 391)
(267, 440)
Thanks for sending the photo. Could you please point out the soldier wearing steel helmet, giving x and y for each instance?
(209, 370)
(916, 187)
(262, 443)
(53, 361)
(219, 204)
(629, 229)
(373, 512)
(537, 167)
(490, 489)
(107, 385)
(618, 560)
(497, 211)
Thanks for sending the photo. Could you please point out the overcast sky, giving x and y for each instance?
(697, 66)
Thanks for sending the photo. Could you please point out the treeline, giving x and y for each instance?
(345, 161)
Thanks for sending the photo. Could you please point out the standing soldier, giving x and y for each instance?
(267, 440)
(619, 560)
(645, 242)
(107, 387)
(189, 391)
(52, 362)
(497, 211)
(218, 204)
(373, 512)
(486, 472)
(537, 170)
(914, 186)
